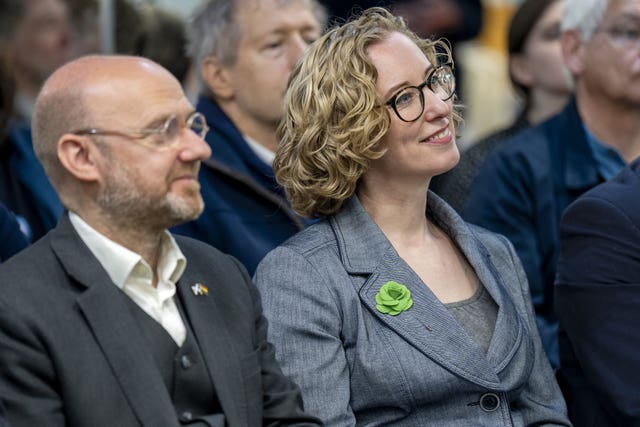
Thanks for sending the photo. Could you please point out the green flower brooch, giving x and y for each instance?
(393, 298)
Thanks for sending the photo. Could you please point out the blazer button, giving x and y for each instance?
(185, 361)
(186, 416)
(489, 402)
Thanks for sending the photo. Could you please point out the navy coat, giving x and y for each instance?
(598, 303)
(246, 213)
(11, 238)
(522, 190)
(24, 186)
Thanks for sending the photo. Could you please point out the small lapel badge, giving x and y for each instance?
(199, 289)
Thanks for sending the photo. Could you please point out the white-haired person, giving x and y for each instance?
(525, 185)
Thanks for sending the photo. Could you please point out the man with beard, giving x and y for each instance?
(103, 322)
(244, 51)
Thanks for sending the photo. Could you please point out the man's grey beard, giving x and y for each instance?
(124, 202)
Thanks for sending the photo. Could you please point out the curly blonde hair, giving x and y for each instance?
(333, 120)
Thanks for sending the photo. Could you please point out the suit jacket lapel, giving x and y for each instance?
(111, 321)
(212, 335)
(509, 331)
(428, 325)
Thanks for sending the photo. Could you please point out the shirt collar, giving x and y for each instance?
(261, 151)
(608, 160)
(119, 262)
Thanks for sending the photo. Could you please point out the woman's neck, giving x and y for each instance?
(399, 212)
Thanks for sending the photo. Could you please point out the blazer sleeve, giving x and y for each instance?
(282, 401)
(27, 386)
(598, 295)
(305, 326)
(542, 403)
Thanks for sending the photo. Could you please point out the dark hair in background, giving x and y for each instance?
(520, 27)
(7, 92)
(10, 14)
(163, 40)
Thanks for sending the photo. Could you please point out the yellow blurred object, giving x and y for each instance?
(497, 14)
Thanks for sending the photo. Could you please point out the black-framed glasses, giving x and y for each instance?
(166, 136)
(409, 102)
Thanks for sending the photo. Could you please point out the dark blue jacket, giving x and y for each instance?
(11, 238)
(522, 190)
(246, 213)
(598, 303)
(24, 186)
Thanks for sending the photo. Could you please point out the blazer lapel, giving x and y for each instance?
(510, 331)
(215, 343)
(111, 322)
(428, 325)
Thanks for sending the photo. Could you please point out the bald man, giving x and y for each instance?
(109, 320)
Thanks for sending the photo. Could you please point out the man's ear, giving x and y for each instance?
(573, 49)
(78, 156)
(217, 77)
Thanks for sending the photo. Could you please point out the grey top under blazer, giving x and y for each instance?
(359, 367)
(71, 353)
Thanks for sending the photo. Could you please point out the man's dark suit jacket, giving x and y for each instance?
(71, 355)
(598, 303)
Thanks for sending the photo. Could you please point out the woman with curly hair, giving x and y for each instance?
(391, 310)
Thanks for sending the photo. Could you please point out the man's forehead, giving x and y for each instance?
(246, 7)
(259, 20)
(618, 8)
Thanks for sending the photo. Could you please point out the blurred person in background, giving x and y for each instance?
(85, 27)
(12, 239)
(245, 51)
(36, 37)
(524, 186)
(538, 74)
(163, 40)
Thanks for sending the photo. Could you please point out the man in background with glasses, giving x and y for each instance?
(525, 185)
(245, 51)
(109, 320)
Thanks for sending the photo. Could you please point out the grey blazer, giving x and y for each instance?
(71, 354)
(357, 366)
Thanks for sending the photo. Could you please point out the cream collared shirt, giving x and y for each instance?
(134, 277)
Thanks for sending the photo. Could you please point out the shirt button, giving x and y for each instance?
(186, 416)
(489, 402)
(186, 362)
